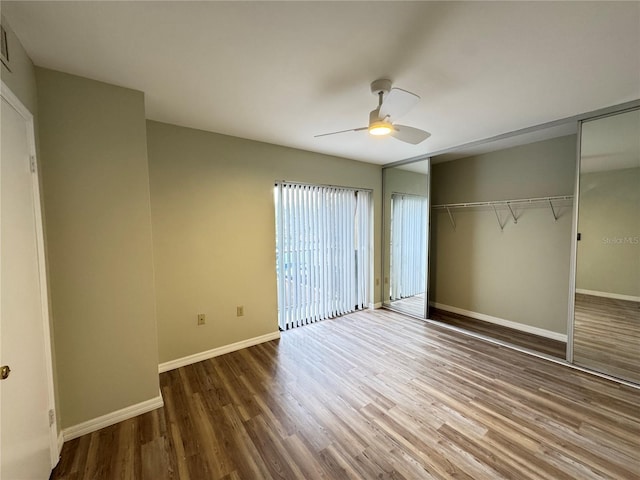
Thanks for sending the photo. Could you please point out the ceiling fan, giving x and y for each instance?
(392, 104)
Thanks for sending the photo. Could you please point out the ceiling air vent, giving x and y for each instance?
(4, 50)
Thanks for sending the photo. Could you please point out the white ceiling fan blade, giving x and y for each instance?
(409, 134)
(341, 131)
(397, 103)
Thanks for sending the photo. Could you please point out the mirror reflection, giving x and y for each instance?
(406, 201)
(606, 334)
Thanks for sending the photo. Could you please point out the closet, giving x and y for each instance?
(501, 238)
(530, 240)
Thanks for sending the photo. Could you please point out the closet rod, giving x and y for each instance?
(508, 203)
(504, 202)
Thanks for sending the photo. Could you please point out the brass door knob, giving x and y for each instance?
(4, 372)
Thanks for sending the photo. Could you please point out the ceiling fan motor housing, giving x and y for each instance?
(382, 85)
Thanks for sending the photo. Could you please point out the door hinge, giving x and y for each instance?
(52, 417)
(32, 163)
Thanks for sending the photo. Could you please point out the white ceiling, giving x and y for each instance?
(282, 72)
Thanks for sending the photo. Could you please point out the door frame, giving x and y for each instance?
(55, 440)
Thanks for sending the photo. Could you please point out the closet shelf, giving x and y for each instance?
(546, 201)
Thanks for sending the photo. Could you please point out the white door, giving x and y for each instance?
(26, 439)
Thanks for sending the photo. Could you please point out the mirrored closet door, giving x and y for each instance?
(606, 329)
(406, 236)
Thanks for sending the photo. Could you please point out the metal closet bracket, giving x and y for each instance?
(553, 211)
(453, 222)
(500, 224)
(513, 215)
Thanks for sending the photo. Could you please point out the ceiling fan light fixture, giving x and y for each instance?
(392, 103)
(380, 128)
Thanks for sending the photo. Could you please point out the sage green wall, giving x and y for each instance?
(98, 226)
(520, 274)
(609, 222)
(397, 180)
(214, 231)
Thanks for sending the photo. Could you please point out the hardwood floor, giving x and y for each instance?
(607, 336)
(410, 305)
(415, 306)
(544, 345)
(372, 395)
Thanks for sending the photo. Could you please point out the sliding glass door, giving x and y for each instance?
(408, 245)
(322, 252)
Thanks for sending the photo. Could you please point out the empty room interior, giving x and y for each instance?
(320, 240)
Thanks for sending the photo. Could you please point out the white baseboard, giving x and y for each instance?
(616, 296)
(501, 321)
(215, 352)
(375, 306)
(112, 418)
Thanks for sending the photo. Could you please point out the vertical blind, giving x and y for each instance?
(408, 245)
(322, 252)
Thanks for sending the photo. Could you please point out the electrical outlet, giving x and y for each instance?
(386, 280)
(377, 282)
(201, 319)
(239, 311)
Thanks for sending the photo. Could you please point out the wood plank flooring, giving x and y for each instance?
(607, 336)
(372, 395)
(544, 345)
(410, 305)
(415, 306)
